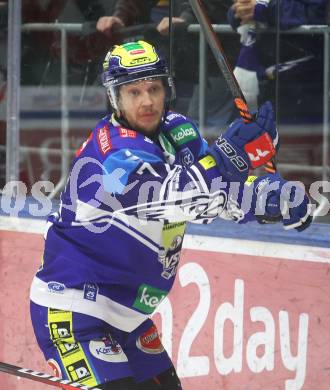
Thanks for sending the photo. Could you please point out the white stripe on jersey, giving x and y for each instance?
(71, 299)
(148, 233)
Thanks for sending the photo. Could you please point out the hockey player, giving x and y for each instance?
(112, 250)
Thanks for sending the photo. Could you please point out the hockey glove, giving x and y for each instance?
(281, 200)
(246, 146)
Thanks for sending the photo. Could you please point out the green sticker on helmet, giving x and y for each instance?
(134, 48)
(183, 133)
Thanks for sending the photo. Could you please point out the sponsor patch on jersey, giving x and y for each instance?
(207, 162)
(90, 291)
(150, 342)
(56, 287)
(79, 371)
(183, 133)
(127, 133)
(71, 353)
(103, 139)
(60, 330)
(67, 349)
(148, 298)
(107, 350)
(55, 367)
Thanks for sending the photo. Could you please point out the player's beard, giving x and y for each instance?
(152, 134)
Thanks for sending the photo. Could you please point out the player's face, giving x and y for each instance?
(142, 104)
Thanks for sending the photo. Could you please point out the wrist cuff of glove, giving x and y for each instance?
(261, 11)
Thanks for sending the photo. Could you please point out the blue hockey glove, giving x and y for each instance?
(281, 200)
(246, 146)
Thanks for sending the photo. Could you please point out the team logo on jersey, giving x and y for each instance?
(148, 298)
(149, 341)
(186, 157)
(183, 133)
(103, 139)
(126, 133)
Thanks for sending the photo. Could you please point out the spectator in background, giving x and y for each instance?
(219, 107)
(135, 12)
(300, 60)
(44, 69)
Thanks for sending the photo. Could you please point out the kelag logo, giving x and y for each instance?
(183, 134)
(148, 298)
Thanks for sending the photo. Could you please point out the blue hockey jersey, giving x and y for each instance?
(113, 248)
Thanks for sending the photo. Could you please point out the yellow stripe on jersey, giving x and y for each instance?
(207, 162)
(71, 353)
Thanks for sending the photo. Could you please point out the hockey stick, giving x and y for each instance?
(224, 65)
(43, 378)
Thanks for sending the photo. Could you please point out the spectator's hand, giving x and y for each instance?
(282, 200)
(106, 25)
(163, 26)
(244, 10)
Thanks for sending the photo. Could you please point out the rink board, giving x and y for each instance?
(244, 314)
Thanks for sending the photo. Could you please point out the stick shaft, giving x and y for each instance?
(224, 65)
(220, 57)
(43, 378)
